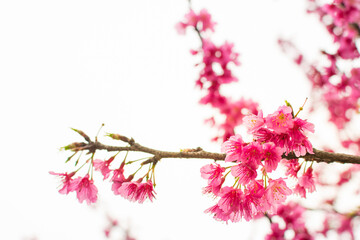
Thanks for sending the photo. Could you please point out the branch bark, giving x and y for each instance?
(318, 156)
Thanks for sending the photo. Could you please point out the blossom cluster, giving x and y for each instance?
(334, 220)
(135, 191)
(274, 136)
(215, 71)
(339, 87)
(201, 21)
(114, 226)
(292, 214)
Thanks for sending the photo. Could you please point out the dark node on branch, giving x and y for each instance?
(154, 160)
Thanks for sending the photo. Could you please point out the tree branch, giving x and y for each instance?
(318, 156)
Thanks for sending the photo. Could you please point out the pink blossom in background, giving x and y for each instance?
(201, 21)
(346, 226)
(276, 233)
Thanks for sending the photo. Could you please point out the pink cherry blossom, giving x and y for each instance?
(245, 172)
(201, 21)
(292, 167)
(67, 181)
(231, 202)
(272, 156)
(276, 193)
(254, 200)
(213, 188)
(219, 214)
(265, 135)
(212, 172)
(128, 190)
(85, 189)
(280, 121)
(307, 180)
(346, 226)
(103, 166)
(252, 154)
(276, 233)
(254, 122)
(118, 179)
(233, 148)
(300, 190)
(144, 191)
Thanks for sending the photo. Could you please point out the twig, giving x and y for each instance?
(318, 156)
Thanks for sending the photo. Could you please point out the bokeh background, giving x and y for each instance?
(83, 63)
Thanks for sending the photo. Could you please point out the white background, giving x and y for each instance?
(83, 63)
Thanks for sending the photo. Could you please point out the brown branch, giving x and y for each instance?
(318, 156)
(328, 157)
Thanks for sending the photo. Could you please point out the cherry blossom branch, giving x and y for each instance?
(199, 153)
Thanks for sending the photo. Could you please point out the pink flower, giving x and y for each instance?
(233, 148)
(307, 180)
(276, 233)
(231, 199)
(213, 188)
(118, 179)
(347, 49)
(67, 182)
(201, 21)
(245, 172)
(231, 203)
(254, 201)
(272, 156)
(299, 143)
(300, 190)
(219, 214)
(212, 172)
(145, 190)
(252, 154)
(280, 121)
(346, 226)
(292, 167)
(128, 190)
(103, 166)
(276, 193)
(85, 189)
(254, 122)
(264, 135)
(206, 23)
